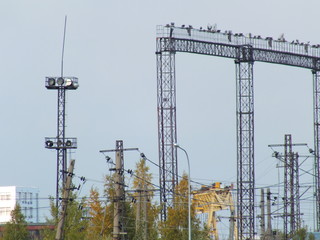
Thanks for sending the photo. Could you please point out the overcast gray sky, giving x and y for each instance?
(110, 47)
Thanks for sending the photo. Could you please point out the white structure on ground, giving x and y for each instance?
(26, 197)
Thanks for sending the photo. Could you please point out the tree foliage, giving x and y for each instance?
(100, 217)
(75, 224)
(302, 234)
(146, 213)
(176, 225)
(16, 229)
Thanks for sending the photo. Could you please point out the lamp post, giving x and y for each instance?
(189, 194)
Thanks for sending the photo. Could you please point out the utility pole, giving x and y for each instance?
(145, 213)
(65, 200)
(138, 212)
(269, 226)
(119, 191)
(262, 225)
(142, 209)
(119, 221)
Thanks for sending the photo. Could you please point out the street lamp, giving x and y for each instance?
(176, 145)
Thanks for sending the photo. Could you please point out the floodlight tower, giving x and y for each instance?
(61, 143)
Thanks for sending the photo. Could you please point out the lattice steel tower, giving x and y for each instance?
(167, 128)
(61, 143)
(245, 140)
(316, 116)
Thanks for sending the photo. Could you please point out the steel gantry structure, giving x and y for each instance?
(245, 50)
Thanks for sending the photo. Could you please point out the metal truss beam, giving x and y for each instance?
(167, 128)
(245, 145)
(234, 51)
(316, 116)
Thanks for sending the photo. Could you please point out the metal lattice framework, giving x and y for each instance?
(291, 189)
(288, 199)
(61, 143)
(296, 191)
(316, 104)
(245, 149)
(167, 128)
(245, 50)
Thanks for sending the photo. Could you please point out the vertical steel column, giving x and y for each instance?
(167, 129)
(296, 191)
(245, 144)
(61, 150)
(291, 196)
(263, 217)
(316, 119)
(287, 191)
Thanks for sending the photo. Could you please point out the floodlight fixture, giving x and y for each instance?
(60, 143)
(67, 83)
(60, 81)
(51, 82)
(68, 143)
(56, 143)
(49, 143)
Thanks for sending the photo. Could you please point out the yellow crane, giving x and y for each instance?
(212, 199)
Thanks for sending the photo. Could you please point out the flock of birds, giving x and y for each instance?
(214, 29)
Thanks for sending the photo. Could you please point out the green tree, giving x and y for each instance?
(176, 225)
(100, 225)
(75, 224)
(301, 234)
(16, 229)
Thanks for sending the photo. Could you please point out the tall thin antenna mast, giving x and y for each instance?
(64, 40)
(61, 143)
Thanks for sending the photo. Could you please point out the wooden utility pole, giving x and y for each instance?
(65, 200)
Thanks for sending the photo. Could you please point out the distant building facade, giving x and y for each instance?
(26, 197)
